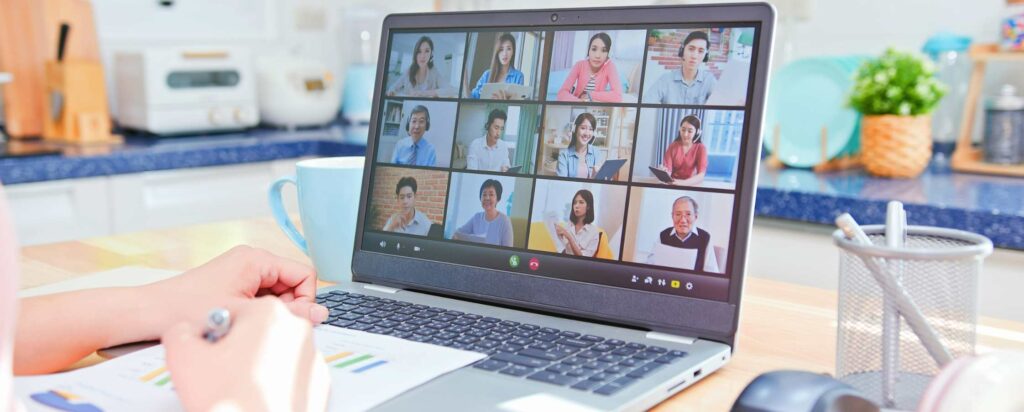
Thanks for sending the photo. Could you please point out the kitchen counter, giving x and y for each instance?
(990, 205)
(147, 153)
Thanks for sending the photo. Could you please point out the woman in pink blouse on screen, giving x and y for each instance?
(686, 158)
(593, 79)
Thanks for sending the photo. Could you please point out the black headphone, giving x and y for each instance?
(418, 109)
(695, 36)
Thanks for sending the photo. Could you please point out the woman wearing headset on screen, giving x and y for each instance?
(589, 77)
(686, 158)
(580, 235)
(579, 159)
(502, 68)
(242, 371)
(693, 82)
(422, 79)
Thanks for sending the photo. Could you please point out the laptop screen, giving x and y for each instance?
(531, 151)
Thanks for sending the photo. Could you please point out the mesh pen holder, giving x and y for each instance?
(876, 350)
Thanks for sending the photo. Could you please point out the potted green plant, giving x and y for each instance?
(896, 94)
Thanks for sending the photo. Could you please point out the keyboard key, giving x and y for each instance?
(623, 352)
(552, 378)
(579, 373)
(339, 292)
(596, 365)
(666, 359)
(547, 337)
(569, 334)
(589, 354)
(592, 338)
(601, 347)
(629, 363)
(549, 330)
(371, 319)
(356, 295)
(472, 316)
(400, 318)
(634, 345)
(466, 339)
(488, 344)
(575, 361)
(645, 370)
(406, 328)
(616, 369)
(453, 313)
(542, 345)
(656, 349)
(370, 298)
(445, 318)
(677, 353)
(437, 310)
(601, 377)
(574, 342)
(387, 323)
(585, 385)
(379, 330)
(645, 356)
(425, 315)
(540, 354)
(439, 341)
(360, 326)
(528, 326)
(490, 320)
(615, 342)
(521, 341)
(517, 370)
(350, 316)
(524, 333)
(476, 333)
(521, 360)
(364, 311)
(560, 368)
(374, 305)
(342, 323)
(510, 348)
(509, 323)
(611, 358)
(463, 322)
(418, 322)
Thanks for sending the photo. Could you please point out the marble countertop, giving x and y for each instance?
(147, 153)
(990, 205)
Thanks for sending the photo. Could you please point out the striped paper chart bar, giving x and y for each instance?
(359, 363)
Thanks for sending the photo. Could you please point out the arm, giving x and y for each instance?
(472, 160)
(563, 163)
(399, 86)
(667, 160)
(47, 339)
(480, 84)
(506, 239)
(465, 229)
(612, 76)
(563, 92)
(589, 248)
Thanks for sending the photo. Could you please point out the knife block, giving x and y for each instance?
(83, 115)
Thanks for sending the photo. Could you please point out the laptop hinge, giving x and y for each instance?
(383, 289)
(686, 340)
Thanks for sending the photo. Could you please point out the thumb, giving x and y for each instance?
(305, 309)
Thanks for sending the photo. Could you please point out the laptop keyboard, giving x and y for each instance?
(559, 357)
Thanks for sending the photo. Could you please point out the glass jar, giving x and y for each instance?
(1004, 127)
(953, 68)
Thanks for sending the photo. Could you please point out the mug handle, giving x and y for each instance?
(283, 221)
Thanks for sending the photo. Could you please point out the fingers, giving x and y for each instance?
(280, 275)
(316, 314)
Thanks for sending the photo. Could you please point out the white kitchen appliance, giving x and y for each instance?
(180, 90)
(296, 91)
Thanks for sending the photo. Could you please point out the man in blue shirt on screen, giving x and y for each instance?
(415, 150)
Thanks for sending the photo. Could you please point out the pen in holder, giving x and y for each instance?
(904, 310)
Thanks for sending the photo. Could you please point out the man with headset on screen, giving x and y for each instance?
(415, 150)
(693, 82)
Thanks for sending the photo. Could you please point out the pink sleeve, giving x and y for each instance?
(702, 158)
(611, 76)
(563, 92)
(668, 158)
(8, 300)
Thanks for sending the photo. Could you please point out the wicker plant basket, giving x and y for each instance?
(896, 146)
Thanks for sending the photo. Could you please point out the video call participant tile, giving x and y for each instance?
(577, 218)
(596, 66)
(587, 142)
(706, 66)
(503, 65)
(678, 229)
(417, 133)
(408, 201)
(425, 65)
(497, 137)
(488, 209)
(689, 147)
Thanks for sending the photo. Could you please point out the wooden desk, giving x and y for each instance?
(782, 326)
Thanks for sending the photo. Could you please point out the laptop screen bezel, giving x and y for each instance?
(703, 318)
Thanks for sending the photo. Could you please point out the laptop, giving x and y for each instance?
(604, 334)
(609, 169)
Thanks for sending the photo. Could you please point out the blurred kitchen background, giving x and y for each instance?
(136, 180)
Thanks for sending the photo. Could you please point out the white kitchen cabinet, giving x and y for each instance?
(61, 210)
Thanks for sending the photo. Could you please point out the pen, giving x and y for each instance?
(894, 291)
(218, 322)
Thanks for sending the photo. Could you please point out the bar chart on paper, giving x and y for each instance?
(366, 369)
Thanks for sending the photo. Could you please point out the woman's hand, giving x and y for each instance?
(239, 274)
(266, 362)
